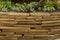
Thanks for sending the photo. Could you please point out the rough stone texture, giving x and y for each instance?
(29, 26)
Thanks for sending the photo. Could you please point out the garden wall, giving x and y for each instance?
(29, 26)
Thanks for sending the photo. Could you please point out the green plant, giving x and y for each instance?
(5, 5)
(15, 8)
(31, 6)
(1, 5)
(48, 6)
(58, 5)
(20, 7)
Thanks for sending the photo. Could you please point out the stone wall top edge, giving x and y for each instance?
(35, 13)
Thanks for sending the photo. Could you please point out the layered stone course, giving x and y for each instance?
(29, 26)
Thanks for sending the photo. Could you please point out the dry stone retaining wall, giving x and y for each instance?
(29, 26)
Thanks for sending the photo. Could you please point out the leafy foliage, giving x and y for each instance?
(58, 6)
(31, 6)
(25, 7)
(5, 5)
(48, 6)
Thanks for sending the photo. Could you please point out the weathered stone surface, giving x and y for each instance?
(29, 26)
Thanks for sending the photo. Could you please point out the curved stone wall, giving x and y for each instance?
(29, 26)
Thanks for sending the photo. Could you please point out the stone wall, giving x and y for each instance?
(29, 26)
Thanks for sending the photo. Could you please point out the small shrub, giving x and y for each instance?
(48, 6)
(5, 5)
(31, 6)
(58, 6)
